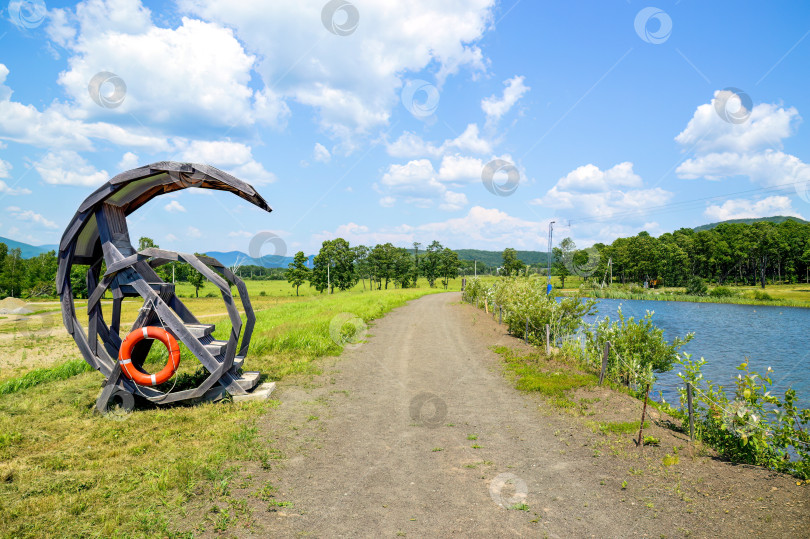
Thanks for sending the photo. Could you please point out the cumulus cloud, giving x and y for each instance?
(411, 145)
(352, 81)
(480, 228)
(767, 126)
(128, 161)
(174, 207)
(746, 209)
(5, 189)
(232, 157)
(30, 216)
(590, 192)
(768, 168)
(57, 127)
(66, 167)
(321, 154)
(751, 148)
(203, 73)
(495, 107)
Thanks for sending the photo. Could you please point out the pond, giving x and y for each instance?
(727, 335)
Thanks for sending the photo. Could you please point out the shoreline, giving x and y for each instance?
(734, 300)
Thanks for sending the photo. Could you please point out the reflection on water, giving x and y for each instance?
(727, 335)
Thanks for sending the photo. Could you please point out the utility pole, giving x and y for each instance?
(328, 278)
(475, 268)
(550, 230)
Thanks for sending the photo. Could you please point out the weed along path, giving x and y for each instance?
(417, 432)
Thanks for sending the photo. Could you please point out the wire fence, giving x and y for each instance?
(634, 378)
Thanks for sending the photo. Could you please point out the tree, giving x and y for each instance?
(512, 265)
(196, 279)
(146, 243)
(429, 264)
(561, 254)
(297, 272)
(382, 259)
(333, 266)
(361, 263)
(449, 265)
(12, 274)
(403, 267)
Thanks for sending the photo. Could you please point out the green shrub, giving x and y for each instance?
(761, 295)
(750, 426)
(696, 286)
(721, 292)
(638, 348)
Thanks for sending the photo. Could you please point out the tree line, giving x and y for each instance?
(730, 253)
(339, 265)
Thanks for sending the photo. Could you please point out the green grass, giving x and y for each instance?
(66, 471)
(620, 427)
(47, 374)
(537, 373)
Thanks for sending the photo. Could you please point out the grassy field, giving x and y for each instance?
(65, 471)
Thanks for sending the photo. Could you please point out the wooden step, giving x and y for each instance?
(200, 330)
(216, 347)
(248, 380)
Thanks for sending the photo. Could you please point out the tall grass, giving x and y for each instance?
(608, 293)
(42, 375)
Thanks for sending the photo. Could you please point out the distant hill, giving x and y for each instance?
(230, 258)
(775, 219)
(26, 250)
(495, 258)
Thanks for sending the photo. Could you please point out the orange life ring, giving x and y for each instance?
(137, 375)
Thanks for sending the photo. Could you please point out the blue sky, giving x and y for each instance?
(375, 120)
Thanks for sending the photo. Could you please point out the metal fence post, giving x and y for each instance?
(526, 333)
(548, 339)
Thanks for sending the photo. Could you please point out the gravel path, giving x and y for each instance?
(381, 445)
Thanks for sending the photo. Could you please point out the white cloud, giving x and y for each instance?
(767, 126)
(13, 191)
(232, 157)
(480, 228)
(411, 145)
(387, 201)
(453, 201)
(203, 72)
(460, 169)
(240, 234)
(5, 169)
(353, 80)
(57, 127)
(768, 168)
(30, 216)
(128, 161)
(495, 107)
(746, 209)
(66, 167)
(193, 232)
(174, 207)
(5, 189)
(750, 148)
(591, 192)
(321, 154)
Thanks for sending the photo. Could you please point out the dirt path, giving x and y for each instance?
(380, 446)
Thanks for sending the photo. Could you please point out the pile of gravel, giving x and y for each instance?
(13, 306)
